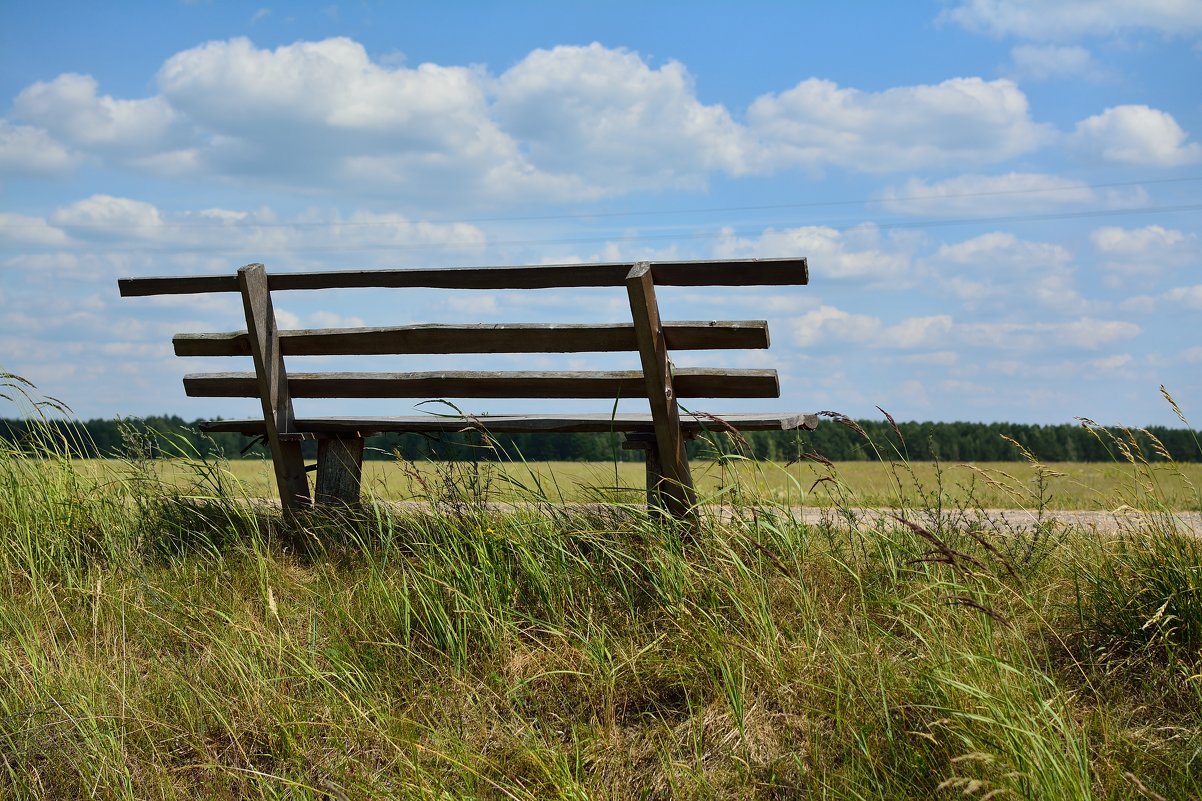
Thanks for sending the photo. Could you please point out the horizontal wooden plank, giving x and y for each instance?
(689, 383)
(499, 338)
(312, 427)
(726, 272)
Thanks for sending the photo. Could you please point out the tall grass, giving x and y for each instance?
(159, 643)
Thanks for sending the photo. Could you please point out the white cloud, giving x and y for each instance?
(315, 112)
(566, 123)
(1084, 334)
(1014, 192)
(1149, 252)
(1000, 266)
(607, 116)
(201, 241)
(1136, 134)
(1188, 296)
(69, 108)
(18, 229)
(960, 121)
(109, 217)
(1152, 239)
(918, 332)
(1044, 62)
(1067, 19)
(25, 150)
(832, 325)
(858, 253)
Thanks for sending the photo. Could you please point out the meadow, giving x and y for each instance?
(165, 635)
(899, 484)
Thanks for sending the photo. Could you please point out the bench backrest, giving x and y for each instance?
(652, 338)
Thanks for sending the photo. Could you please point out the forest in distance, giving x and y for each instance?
(837, 439)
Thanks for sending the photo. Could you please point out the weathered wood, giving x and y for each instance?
(487, 338)
(340, 440)
(690, 383)
(339, 470)
(270, 383)
(676, 488)
(318, 427)
(725, 272)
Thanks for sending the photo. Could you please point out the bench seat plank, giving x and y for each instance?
(482, 338)
(315, 427)
(689, 383)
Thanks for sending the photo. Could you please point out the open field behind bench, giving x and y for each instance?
(1001, 485)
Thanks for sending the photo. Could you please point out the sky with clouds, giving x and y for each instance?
(1000, 200)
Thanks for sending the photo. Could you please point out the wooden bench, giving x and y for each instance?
(662, 433)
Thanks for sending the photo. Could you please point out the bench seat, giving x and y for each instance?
(320, 427)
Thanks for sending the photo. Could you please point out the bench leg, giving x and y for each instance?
(664, 497)
(339, 470)
(655, 481)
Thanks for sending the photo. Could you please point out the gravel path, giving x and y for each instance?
(1113, 522)
(1125, 519)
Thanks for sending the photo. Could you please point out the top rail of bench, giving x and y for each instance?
(728, 272)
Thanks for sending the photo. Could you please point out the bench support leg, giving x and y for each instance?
(339, 470)
(658, 486)
(273, 387)
(676, 487)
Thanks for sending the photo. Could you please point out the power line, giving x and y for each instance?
(187, 224)
(678, 235)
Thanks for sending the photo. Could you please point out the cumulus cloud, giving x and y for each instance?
(1013, 192)
(1045, 62)
(960, 121)
(1085, 333)
(107, 216)
(1154, 239)
(19, 229)
(1143, 254)
(1188, 296)
(565, 123)
(1067, 19)
(69, 108)
(829, 324)
(858, 253)
(1138, 135)
(999, 267)
(26, 150)
(204, 240)
(608, 116)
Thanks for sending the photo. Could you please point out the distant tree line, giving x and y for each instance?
(838, 439)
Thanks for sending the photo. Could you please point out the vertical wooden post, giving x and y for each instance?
(339, 470)
(676, 489)
(273, 386)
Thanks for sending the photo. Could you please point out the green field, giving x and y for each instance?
(1002, 485)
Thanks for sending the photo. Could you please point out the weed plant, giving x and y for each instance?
(159, 643)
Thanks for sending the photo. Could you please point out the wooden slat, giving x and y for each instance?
(498, 338)
(727, 272)
(669, 461)
(526, 423)
(689, 383)
(270, 384)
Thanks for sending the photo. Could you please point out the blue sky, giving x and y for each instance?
(1001, 200)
